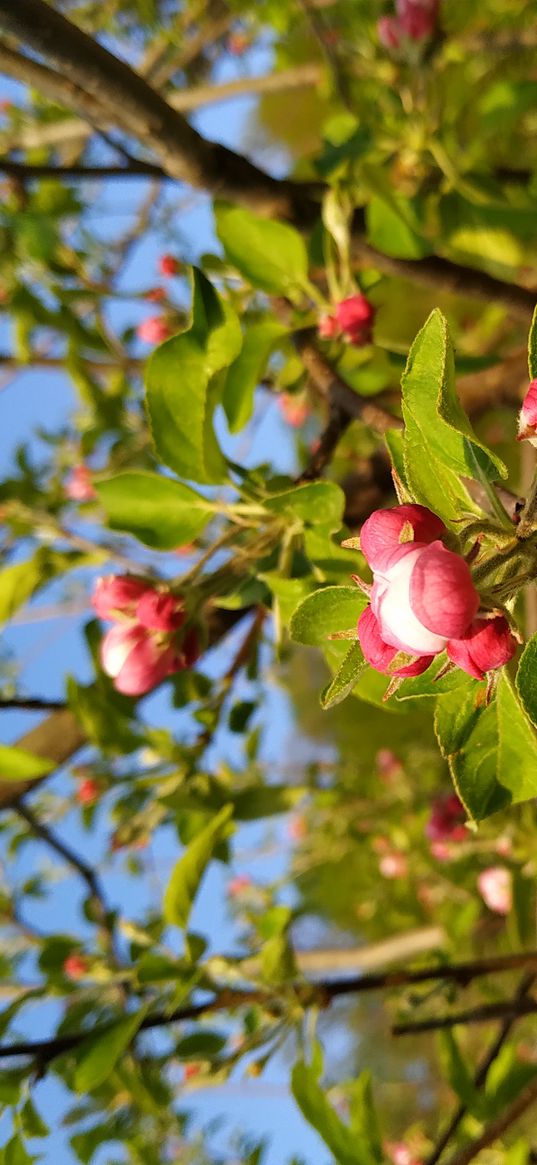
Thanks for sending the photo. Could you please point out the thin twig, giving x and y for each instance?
(335, 391)
(505, 1009)
(30, 704)
(27, 172)
(338, 421)
(87, 873)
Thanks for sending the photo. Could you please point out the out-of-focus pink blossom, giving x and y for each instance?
(442, 851)
(487, 644)
(446, 822)
(160, 611)
(394, 865)
(389, 32)
(495, 885)
(136, 659)
(75, 967)
(327, 327)
(237, 43)
(168, 266)
(297, 827)
(238, 885)
(295, 409)
(153, 330)
(79, 486)
(388, 764)
(400, 1153)
(156, 294)
(88, 792)
(504, 846)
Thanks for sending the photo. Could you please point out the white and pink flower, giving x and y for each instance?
(495, 885)
(527, 421)
(352, 319)
(79, 486)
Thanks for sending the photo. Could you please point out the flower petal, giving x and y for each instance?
(442, 594)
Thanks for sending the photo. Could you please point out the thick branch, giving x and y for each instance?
(27, 172)
(335, 392)
(140, 111)
(30, 704)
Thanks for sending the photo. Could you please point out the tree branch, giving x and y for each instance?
(322, 994)
(524, 987)
(509, 1009)
(335, 392)
(29, 704)
(497, 1127)
(27, 172)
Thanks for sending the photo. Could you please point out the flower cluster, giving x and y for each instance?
(149, 641)
(446, 822)
(352, 320)
(423, 600)
(415, 20)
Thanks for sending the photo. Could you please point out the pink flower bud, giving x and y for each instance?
(441, 594)
(394, 865)
(388, 764)
(75, 967)
(417, 20)
(117, 595)
(442, 851)
(400, 1154)
(79, 487)
(386, 530)
(495, 885)
(168, 266)
(153, 330)
(294, 409)
(136, 660)
(156, 294)
(160, 611)
(237, 43)
(327, 327)
(446, 822)
(297, 827)
(389, 32)
(485, 646)
(380, 654)
(527, 421)
(355, 317)
(88, 792)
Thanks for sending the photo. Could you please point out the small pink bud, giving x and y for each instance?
(153, 330)
(495, 885)
(156, 294)
(386, 530)
(168, 266)
(327, 327)
(486, 645)
(380, 654)
(79, 486)
(294, 409)
(88, 792)
(355, 317)
(504, 846)
(191, 1070)
(160, 611)
(389, 32)
(75, 967)
(297, 827)
(400, 1153)
(135, 659)
(238, 885)
(394, 865)
(117, 595)
(442, 851)
(527, 422)
(237, 43)
(446, 822)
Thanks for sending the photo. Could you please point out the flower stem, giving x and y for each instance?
(528, 517)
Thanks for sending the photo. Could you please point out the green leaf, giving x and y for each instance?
(526, 679)
(326, 611)
(20, 582)
(467, 732)
(245, 373)
(98, 1054)
(271, 255)
(393, 228)
(160, 512)
(427, 685)
(457, 1071)
(103, 714)
(187, 874)
(517, 744)
(532, 347)
(181, 393)
(18, 765)
(15, 1152)
(345, 678)
(31, 1121)
(439, 442)
(346, 1145)
(201, 1045)
(266, 801)
(278, 964)
(318, 503)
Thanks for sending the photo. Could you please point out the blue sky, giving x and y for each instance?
(51, 648)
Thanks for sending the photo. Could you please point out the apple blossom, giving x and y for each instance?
(354, 317)
(75, 967)
(79, 486)
(394, 865)
(446, 822)
(153, 330)
(88, 792)
(389, 32)
(116, 595)
(136, 659)
(294, 408)
(487, 644)
(160, 611)
(527, 421)
(238, 885)
(495, 884)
